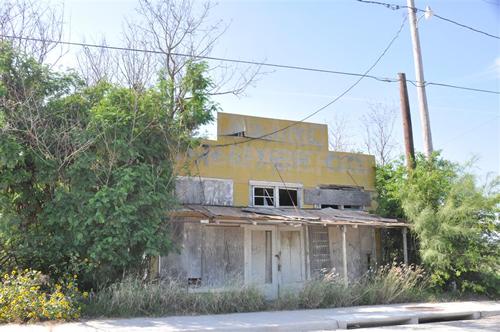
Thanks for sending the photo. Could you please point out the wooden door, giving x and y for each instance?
(291, 259)
(261, 259)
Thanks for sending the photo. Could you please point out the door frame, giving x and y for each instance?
(272, 290)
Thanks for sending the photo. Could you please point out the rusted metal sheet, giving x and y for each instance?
(336, 197)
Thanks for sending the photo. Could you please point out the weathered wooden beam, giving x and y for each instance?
(344, 254)
(405, 246)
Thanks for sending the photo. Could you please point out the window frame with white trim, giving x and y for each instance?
(260, 191)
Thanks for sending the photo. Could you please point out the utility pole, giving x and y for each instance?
(422, 97)
(407, 127)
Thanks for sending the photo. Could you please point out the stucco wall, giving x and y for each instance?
(300, 154)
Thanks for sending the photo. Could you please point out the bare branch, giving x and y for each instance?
(172, 27)
(379, 123)
(33, 19)
(97, 64)
(340, 139)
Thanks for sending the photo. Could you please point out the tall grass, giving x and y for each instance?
(388, 284)
(133, 297)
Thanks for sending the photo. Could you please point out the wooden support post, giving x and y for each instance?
(344, 254)
(406, 117)
(307, 253)
(374, 250)
(405, 247)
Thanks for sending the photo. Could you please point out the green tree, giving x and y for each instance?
(453, 218)
(87, 173)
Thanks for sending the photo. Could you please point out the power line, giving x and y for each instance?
(397, 7)
(248, 62)
(446, 85)
(202, 57)
(284, 184)
(460, 87)
(473, 128)
(495, 3)
(331, 102)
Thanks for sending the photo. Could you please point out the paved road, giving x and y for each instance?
(488, 324)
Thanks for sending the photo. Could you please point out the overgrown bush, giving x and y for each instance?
(454, 219)
(86, 172)
(134, 297)
(27, 296)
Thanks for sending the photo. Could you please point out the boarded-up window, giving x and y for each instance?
(222, 256)
(319, 249)
(208, 256)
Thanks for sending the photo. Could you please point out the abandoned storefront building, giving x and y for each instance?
(273, 211)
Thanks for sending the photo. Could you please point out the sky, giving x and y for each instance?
(346, 35)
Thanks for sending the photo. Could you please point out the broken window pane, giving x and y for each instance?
(288, 197)
(263, 196)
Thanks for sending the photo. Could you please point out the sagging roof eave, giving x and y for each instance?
(200, 213)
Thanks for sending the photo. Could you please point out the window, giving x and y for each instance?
(352, 207)
(275, 194)
(238, 134)
(342, 207)
(324, 206)
(263, 196)
(288, 197)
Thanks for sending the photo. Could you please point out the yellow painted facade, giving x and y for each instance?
(299, 154)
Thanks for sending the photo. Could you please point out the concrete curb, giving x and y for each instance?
(280, 321)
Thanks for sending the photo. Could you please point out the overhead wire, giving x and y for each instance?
(360, 76)
(352, 86)
(397, 7)
(286, 187)
(248, 62)
(471, 129)
(201, 57)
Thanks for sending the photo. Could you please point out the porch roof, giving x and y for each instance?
(286, 216)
